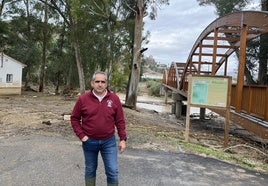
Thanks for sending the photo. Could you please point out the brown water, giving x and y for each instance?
(158, 104)
(151, 103)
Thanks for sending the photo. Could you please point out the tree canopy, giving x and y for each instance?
(64, 42)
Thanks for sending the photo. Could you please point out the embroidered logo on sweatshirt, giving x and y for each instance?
(109, 103)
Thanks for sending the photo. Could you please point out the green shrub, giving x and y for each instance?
(154, 86)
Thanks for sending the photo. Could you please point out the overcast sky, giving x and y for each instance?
(175, 30)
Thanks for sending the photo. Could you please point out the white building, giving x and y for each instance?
(10, 75)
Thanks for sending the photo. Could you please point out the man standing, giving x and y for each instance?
(94, 118)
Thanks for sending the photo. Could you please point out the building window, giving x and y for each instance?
(9, 78)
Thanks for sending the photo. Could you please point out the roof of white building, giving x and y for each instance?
(12, 59)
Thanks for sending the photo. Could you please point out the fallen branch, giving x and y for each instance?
(247, 146)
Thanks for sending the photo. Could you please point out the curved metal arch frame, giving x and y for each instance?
(230, 26)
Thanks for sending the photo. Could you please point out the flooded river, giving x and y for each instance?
(158, 104)
(151, 103)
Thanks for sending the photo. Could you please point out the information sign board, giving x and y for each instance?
(209, 91)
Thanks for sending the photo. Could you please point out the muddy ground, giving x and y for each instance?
(47, 115)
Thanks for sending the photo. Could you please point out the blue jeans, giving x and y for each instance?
(108, 150)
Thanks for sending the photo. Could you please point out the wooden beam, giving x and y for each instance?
(220, 46)
(199, 57)
(266, 105)
(214, 56)
(208, 54)
(231, 39)
(205, 63)
(241, 68)
(225, 66)
(239, 31)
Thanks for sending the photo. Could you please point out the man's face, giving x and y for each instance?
(99, 84)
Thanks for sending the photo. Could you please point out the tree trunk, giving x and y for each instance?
(77, 52)
(131, 98)
(42, 69)
(249, 78)
(263, 57)
(1, 7)
(79, 66)
(262, 76)
(57, 83)
(44, 53)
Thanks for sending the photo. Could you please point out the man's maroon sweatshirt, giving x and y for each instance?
(98, 119)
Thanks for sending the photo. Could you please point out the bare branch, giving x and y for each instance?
(242, 145)
(129, 6)
(1, 7)
(95, 12)
(55, 7)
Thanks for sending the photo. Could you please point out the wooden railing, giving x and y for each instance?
(254, 100)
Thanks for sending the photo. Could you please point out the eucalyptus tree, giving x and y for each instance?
(224, 7)
(23, 41)
(141, 9)
(60, 70)
(3, 35)
(3, 28)
(45, 39)
(93, 33)
(111, 31)
(69, 10)
(105, 35)
(44, 32)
